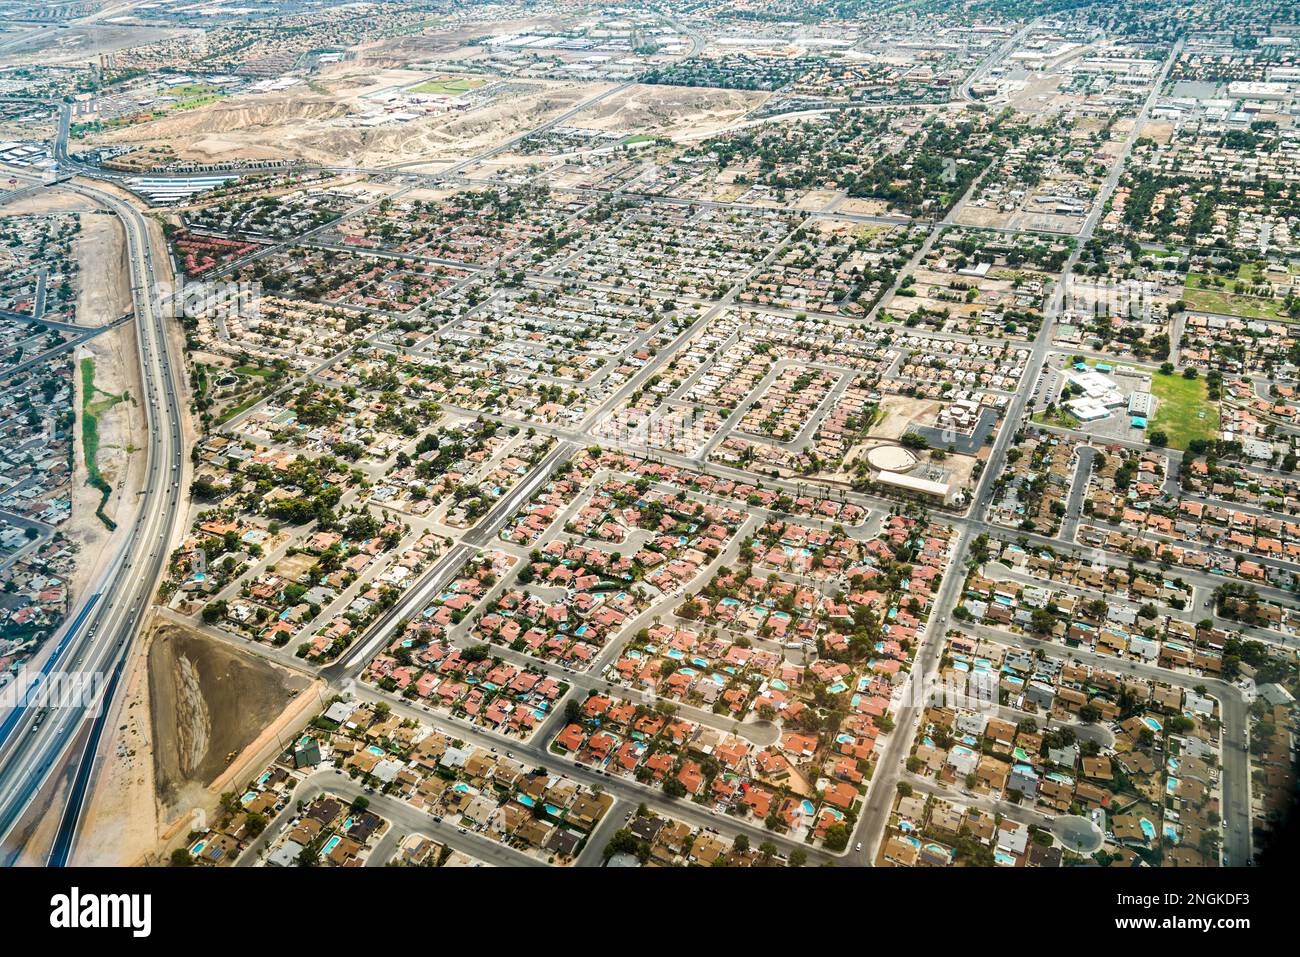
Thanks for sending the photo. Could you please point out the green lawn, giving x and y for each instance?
(1182, 410)
(1061, 418)
(191, 96)
(450, 86)
(233, 411)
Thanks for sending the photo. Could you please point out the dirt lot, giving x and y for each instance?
(679, 110)
(196, 688)
(104, 291)
(209, 702)
(320, 125)
(81, 43)
(899, 412)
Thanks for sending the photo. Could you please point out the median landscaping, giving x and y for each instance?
(94, 403)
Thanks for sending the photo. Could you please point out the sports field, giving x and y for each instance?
(1183, 412)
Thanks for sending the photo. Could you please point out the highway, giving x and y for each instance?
(992, 60)
(91, 650)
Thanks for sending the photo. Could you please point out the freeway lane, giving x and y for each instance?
(95, 645)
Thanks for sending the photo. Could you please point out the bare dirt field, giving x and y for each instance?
(128, 822)
(682, 110)
(77, 44)
(323, 127)
(898, 412)
(814, 200)
(104, 291)
(972, 215)
(48, 201)
(1160, 131)
(864, 207)
(209, 702)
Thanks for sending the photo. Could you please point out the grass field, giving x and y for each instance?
(254, 370)
(1182, 410)
(449, 86)
(1202, 295)
(234, 410)
(1060, 418)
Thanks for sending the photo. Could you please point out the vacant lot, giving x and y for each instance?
(1183, 412)
(1202, 295)
(210, 701)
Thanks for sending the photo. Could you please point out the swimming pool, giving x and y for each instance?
(939, 849)
(332, 843)
(1153, 724)
(1148, 829)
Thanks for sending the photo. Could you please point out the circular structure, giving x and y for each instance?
(761, 733)
(1078, 834)
(890, 458)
